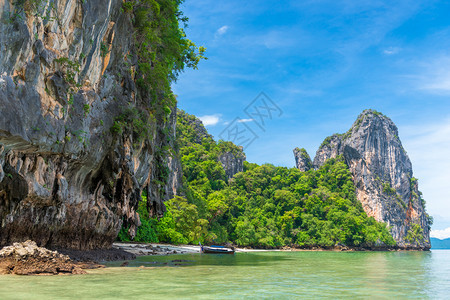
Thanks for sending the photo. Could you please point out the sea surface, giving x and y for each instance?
(275, 275)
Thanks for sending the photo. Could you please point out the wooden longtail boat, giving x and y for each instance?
(216, 249)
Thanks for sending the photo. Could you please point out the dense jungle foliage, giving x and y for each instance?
(264, 206)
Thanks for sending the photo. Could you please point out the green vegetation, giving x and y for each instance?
(413, 182)
(390, 191)
(147, 231)
(162, 48)
(375, 112)
(163, 52)
(328, 140)
(104, 49)
(355, 126)
(430, 221)
(35, 8)
(70, 69)
(264, 206)
(181, 216)
(387, 189)
(415, 234)
(134, 122)
(86, 109)
(416, 196)
(271, 206)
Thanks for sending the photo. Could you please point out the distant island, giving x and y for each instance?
(358, 193)
(440, 244)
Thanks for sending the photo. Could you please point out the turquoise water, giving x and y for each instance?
(251, 275)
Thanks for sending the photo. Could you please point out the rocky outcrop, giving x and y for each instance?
(302, 160)
(76, 147)
(232, 162)
(173, 185)
(190, 130)
(192, 127)
(383, 176)
(28, 259)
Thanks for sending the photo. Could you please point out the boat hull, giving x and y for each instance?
(213, 250)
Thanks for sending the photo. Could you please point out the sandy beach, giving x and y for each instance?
(140, 249)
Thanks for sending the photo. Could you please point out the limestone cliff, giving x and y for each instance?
(73, 164)
(302, 160)
(232, 162)
(383, 176)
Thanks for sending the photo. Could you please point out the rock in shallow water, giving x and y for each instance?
(28, 259)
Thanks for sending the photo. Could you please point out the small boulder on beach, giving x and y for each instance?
(28, 259)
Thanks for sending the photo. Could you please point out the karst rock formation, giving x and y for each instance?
(383, 176)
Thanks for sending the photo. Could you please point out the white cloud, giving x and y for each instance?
(428, 148)
(295, 90)
(210, 120)
(391, 50)
(222, 30)
(285, 38)
(293, 37)
(245, 120)
(441, 234)
(441, 83)
(434, 75)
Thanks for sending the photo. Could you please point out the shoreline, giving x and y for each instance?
(28, 259)
(144, 249)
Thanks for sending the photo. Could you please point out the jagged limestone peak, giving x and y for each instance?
(302, 159)
(383, 176)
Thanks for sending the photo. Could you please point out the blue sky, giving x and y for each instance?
(322, 63)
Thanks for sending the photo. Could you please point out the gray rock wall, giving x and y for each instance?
(383, 176)
(232, 163)
(69, 176)
(302, 160)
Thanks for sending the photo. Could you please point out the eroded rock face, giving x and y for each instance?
(232, 163)
(173, 185)
(70, 174)
(383, 176)
(302, 160)
(28, 259)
